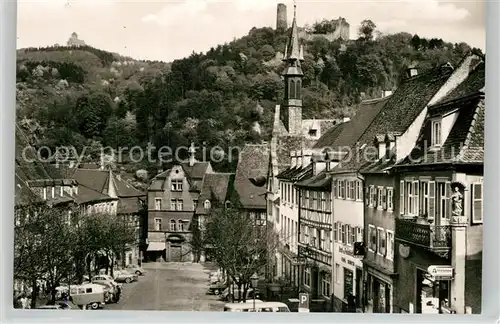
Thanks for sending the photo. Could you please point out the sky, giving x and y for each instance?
(165, 30)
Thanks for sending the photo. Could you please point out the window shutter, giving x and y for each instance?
(416, 199)
(448, 200)
(384, 198)
(367, 195)
(335, 188)
(432, 200)
(401, 197)
(477, 203)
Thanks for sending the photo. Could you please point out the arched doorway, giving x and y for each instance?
(175, 242)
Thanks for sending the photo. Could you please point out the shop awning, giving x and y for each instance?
(156, 246)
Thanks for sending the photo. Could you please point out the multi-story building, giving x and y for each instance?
(315, 228)
(215, 194)
(172, 200)
(438, 229)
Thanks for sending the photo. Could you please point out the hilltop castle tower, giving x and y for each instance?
(281, 18)
(292, 75)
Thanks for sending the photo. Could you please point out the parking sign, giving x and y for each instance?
(303, 301)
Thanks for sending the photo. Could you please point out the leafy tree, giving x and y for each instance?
(367, 29)
(240, 245)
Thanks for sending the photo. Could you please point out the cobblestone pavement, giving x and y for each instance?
(170, 287)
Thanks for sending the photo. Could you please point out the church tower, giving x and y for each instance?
(291, 114)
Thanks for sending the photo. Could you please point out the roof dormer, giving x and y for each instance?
(380, 144)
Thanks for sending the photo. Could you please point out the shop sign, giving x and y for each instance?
(439, 272)
(346, 250)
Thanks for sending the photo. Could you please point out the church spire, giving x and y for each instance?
(293, 47)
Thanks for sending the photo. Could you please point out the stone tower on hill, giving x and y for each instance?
(281, 18)
(74, 41)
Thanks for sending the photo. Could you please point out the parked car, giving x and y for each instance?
(125, 276)
(227, 294)
(88, 296)
(134, 268)
(217, 288)
(108, 279)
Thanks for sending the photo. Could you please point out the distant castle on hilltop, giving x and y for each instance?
(330, 29)
(75, 41)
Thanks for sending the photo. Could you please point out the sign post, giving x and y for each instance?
(303, 303)
(441, 272)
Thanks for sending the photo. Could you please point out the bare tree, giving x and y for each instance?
(239, 245)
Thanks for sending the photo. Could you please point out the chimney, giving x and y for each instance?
(192, 152)
(346, 119)
(306, 157)
(298, 155)
(410, 72)
(293, 159)
(386, 93)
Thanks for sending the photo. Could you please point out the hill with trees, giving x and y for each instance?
(86, 97)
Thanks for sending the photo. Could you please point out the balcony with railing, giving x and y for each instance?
(436, 238)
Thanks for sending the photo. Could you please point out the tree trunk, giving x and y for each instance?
(239, 292)
(53, 292)
(34, 293)
(245, 290)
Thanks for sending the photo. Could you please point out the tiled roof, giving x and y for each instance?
(398, 113)
(125, 189)
(465, 142)
(474, 83)
(253, 162)
(287, 144)
(322, 180)
(358, 124)
(92, 178)
(379, 166)
(329, 137)
(128, 205)
(215, 189)
(296, 173)
(197, 171)
(24, 195)
(86, 195)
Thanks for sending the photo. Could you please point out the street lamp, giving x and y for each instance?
(254, 279)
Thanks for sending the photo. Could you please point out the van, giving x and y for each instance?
(265, 307)
(90, 296)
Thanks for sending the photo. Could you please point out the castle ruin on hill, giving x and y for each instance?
(330, 29)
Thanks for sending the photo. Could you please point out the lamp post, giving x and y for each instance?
(254, 279)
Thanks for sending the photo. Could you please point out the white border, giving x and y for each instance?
(491, 288)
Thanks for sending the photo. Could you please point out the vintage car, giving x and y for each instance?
(88, 295)
(134, 268)
(217, 288)
(124, 276)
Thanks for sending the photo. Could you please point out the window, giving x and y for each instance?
(313, 132)
(337, 273)
(322, 240)
(53, 192)
(390, 245)
(390, 199)
(172, 225)
(352, 234)
(88, 290)
(180, 205)
(359, 234)
(412, 198)
(477, 203)
(44, 193)
(381, 241)
(372, 234)
(436, 133)
(176, 185)
(195, 203)
(343, 234)
(359, 190)
(442, 200)
(180, 226)
(371, 199)
(379, 197)
(335, 189)
(342, 189)
(173, 204)
(335, 232)
(206, 204)
(307, 277)
(158, 224)
(292, 89)
(325, 285)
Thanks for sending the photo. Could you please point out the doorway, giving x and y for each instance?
(359, 286)
(175, 253)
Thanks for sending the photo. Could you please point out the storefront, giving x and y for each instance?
(348, 278)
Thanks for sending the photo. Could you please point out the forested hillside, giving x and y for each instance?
(83, 96)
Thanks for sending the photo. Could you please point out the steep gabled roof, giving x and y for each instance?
(465, 142)
(321, 181)
(197, 171)
(398, 113)
(215, 189)
(329, 137)
(253, 162)
(366, 114)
